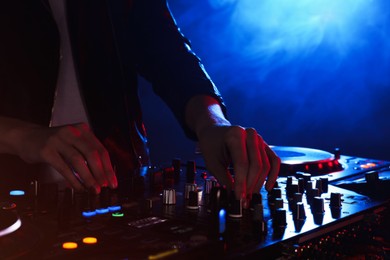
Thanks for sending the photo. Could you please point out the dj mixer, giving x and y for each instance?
(323, 206)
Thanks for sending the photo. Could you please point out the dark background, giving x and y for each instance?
(308, 73)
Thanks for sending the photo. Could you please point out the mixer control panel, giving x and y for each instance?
(182, 212)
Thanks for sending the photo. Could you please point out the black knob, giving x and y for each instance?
(299, 211)
(176, 164)
(279, 219)
(372, 177)
(293, 188)
(256, 199)
(275, 193)
(193, 200)
(335, 200)
(189, 187)
(324, 184)
(235, 208)
(318, 205)
(218, 199)
(209, 184)
(311, 194)
(337, 153)
(190, 172)
(301, 185)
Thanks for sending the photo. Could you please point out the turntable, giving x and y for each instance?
(313, 161)
(9, 222)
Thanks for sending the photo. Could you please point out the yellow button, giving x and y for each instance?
(69, 245)
(90, 240)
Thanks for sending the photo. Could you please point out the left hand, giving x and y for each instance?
(252, 159)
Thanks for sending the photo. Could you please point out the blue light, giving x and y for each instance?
(16, 193)
(89, 214)
(102, 211)
(222, 221)
(114, 208)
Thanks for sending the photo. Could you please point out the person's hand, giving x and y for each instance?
(252, 159)
(74, 151)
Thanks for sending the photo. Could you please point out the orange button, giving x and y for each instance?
(69, 245)
(90, 240)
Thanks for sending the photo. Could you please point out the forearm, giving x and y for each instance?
(11, 134)
(204, 111)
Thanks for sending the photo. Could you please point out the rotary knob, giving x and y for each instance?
(169, 197)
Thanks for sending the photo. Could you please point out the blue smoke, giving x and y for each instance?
(305, 72)
(309, 73)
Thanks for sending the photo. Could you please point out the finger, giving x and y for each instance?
(266, 165)
(236, 145)
(222, 175)
(80, 152)
(99, 160)
(255, 167)
(77, 162)
(274, 170)
(57, 162)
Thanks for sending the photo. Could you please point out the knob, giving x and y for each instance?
(311, 194)
(318, 205)
(301, 185)
(337, 153)
(193, 200)
(176, 164)
(293, 188)
(372, 177)
(104, 197)
(319, 185)
(256, 199)
(335, 200)
(218, 199)
(279, 219)
(324, 184)
(190, 171)
(299, 211)
(209, 184)
(169, 197)
(189, 187)
(235, 208)
(274, 193)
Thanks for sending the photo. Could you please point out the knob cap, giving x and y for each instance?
(189, 187)
(335, 200)
(169, 197)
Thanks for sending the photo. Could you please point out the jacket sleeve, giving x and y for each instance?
(164, 57)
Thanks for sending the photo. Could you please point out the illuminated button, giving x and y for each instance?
(90, 240)
(16, 193)
(118, 214)
(102, 211)
(114, 208)
(89, 214)
(69, 245)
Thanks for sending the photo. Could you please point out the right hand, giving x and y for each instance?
(72, 150)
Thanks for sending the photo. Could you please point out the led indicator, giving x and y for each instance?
(118, 214)
(114, 208)
(89, 214)
(222, 221)
(69, 245)
(102, 211)
(16, 193)
(90, 240)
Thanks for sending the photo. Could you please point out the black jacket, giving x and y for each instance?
(113, 42)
